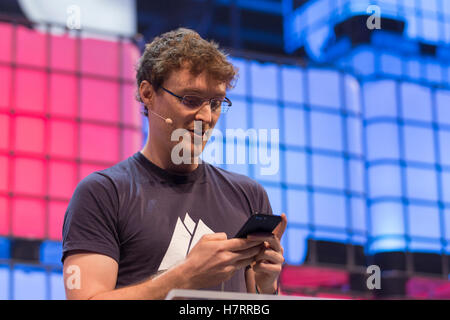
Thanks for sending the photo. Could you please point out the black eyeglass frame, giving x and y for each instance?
(181, 98)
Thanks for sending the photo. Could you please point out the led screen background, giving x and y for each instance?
(364, 155)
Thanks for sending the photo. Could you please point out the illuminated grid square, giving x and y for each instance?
(4, 169)
(263, 80)
(293, 85)
(376, 105)
(29, 176)
(28, 218)
(63, 53)
(4, 280)
(236, 116)
(63, 138)
(384, 181)
(29, 283)
(5, 42)
(4, 131)
(104, 95)
(297, 206)
(329, 210)
(296, 166)
(376, 136)
(29, 134)
(387, 219)
(63, 98)
(328, 172)
(444, 146)
(105, 148)
(33, 83)
(331, 138)
(416, 102)
(56, 211)
(294, 127)
(419, 144)
(62, 179)
(324, 80)
(4, 216)
(5, 87)
(424, 221)
(443, 107)
(355, 136)
(421, 184)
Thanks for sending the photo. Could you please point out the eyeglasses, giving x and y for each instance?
(195, 102)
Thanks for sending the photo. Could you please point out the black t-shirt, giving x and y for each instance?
(148, 219)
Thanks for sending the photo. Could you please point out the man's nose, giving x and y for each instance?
(205, 113)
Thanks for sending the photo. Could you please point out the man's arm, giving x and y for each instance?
(98, 276)
(213, 259)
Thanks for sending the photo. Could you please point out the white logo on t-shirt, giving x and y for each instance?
(185, 236)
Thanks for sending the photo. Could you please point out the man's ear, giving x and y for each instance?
(146, 92)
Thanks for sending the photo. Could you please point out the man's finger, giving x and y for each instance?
(215, 236)
(273, 241)
(238, 244)
(245, 254)
(270, 256)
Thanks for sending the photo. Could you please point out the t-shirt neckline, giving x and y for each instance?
(169, 176)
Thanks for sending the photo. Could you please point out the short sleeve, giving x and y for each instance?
(263, 200)
(90, 221)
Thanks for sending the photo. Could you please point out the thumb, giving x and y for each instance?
(281, 227)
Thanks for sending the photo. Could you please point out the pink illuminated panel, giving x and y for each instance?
(28, 218)
(29, 134)
(5, 87)
(100, 57)
(100, 100)
(56, 211)
(4, 216)
(63, 98)
(130, 56)
(31, 47)
(99, 143)
(30, 90)
(29, 176)
(63, 138)
(129, 116)
(67, 109)
(4, 131)
(5, 42)
(4, 168)
(63, 53)
(62, 179)
(132, 141)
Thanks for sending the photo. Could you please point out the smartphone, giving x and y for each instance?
(257, 223)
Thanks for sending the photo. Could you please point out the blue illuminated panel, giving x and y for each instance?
(30, 283)
(320, 181)
(362, 160)
(406, 166)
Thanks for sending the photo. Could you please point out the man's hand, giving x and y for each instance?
(215, 259)
(269, 262)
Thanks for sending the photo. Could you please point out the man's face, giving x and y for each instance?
(182, 82)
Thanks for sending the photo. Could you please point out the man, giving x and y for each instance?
(152, 223)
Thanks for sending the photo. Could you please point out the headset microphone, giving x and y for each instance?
(166, 120)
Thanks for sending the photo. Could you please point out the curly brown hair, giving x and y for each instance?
(172, 50)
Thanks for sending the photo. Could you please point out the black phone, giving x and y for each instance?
(257, 223)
